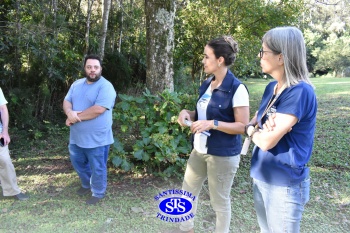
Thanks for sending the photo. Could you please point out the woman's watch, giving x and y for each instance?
(216, 124)
(246, 129)
(251, 130)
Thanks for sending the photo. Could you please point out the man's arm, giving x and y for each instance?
(91, 113)
(72, 116)
(5, 124)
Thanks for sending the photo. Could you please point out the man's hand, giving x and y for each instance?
(68, 123)
(73, 117)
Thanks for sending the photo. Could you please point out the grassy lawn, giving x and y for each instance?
(44, 171)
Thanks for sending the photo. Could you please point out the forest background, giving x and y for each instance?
(152, 52)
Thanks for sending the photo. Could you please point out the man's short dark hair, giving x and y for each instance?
(92, 56)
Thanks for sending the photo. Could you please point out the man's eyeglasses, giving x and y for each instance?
(261, 52)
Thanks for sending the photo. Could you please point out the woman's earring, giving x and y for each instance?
(219, 65)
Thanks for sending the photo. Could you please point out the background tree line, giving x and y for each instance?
(156, 44)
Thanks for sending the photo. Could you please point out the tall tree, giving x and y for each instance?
(160, 15)
(327, 36)
(87, 32)
(121, 26)
(198, 21)
(106, 8)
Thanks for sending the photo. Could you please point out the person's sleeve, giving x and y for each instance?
(294, 102)
(106, 96)
(68, 97)
(241, 97)
(2, 98)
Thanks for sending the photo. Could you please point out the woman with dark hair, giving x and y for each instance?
(283, 132)
(222, 110)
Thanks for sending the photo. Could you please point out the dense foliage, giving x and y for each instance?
(246, 20)
(328, 37)
(42, 45)
(148, 137)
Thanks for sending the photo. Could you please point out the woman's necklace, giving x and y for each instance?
(213, 86)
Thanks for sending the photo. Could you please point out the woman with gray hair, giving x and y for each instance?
(283, 133)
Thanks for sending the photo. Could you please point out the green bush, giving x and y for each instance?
(148, 138)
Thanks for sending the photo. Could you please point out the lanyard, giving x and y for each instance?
(271, 102)
(247, 141)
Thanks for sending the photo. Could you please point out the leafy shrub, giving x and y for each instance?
(148, 137)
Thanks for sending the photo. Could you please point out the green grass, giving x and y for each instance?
(44, 171)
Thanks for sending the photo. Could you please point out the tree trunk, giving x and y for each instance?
(87, 33)
(54, 6)
(121, 26)
(106, 8)
(160, 16)
(17, 62)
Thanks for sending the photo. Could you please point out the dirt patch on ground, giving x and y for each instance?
(44, 166)
(117, 179)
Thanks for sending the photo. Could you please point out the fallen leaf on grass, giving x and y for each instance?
(345, 205)
(148, 214)
(136, 209)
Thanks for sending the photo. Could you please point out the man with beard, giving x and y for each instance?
(88, 106)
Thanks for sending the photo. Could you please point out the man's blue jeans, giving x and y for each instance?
(91, 166)
(279, 209)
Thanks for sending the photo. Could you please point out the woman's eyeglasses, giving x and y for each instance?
(261, 52)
